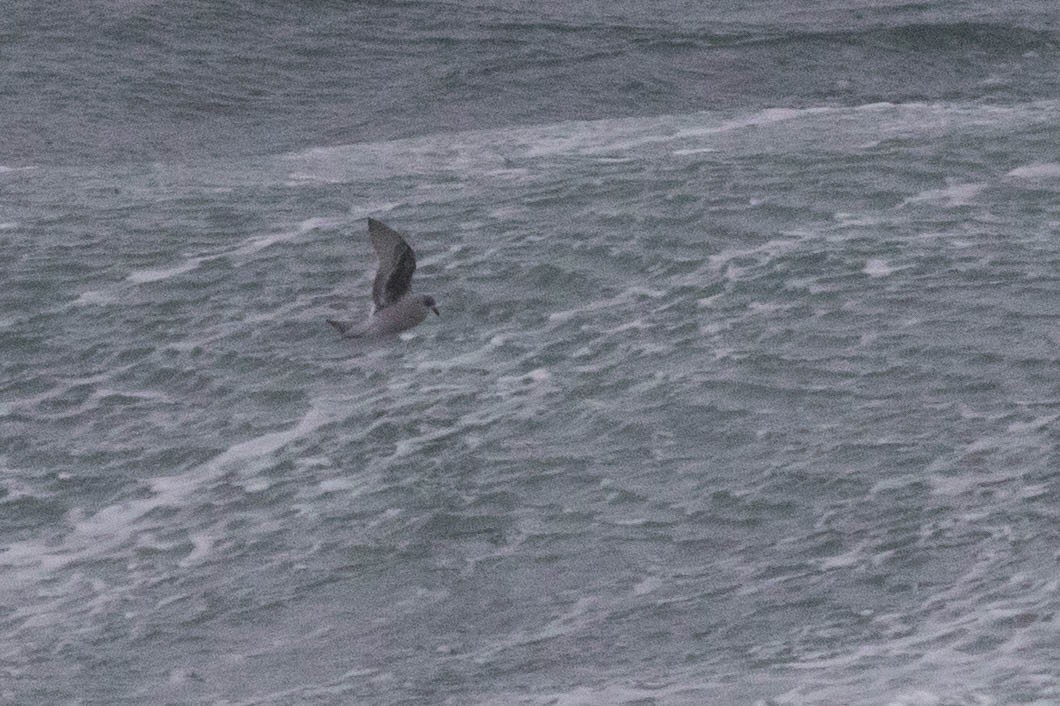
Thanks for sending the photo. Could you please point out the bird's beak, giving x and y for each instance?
(435, 310)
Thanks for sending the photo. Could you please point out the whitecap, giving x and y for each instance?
(201, 544)
(950, 196)
(876, 267)
(916, 698)
(695, 150)
(246, 247)
(260, 242)
(1047, 170)
(102, 531)
(157, 275)
(647, 585)
(93, 297)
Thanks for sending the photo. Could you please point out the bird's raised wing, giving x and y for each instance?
(397, 262)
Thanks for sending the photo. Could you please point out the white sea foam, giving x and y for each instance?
(333, 485)
(100, 532)
(1032, 425)
(257, 243)
(648, 584)
(202, 543)
(877, 267)
(488, 152)
(238, 252)
(695, 150)
(734, 263)
(94, 297)
(949, 197)
(479, 154)
(916, 698)
(623, 297)
(1047, 170)
(162, 273)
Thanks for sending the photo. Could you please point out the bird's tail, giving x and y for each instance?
(346, 328)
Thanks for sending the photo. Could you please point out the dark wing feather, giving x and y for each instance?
(397, 262)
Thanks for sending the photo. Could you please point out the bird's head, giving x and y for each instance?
(430, 304)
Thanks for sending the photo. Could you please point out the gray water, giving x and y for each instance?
(746, 388)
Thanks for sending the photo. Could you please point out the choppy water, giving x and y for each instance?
(746, 390)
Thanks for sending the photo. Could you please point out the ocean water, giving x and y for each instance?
(746, 388)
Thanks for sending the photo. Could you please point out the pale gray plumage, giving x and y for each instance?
(395, 309)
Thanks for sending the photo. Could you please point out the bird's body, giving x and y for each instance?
(395, 309)
(399, 316)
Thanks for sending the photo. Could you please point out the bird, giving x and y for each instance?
(394, 309)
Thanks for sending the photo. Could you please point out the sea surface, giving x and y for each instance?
(745, 389)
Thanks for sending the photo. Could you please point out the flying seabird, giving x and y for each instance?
(395, 309)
